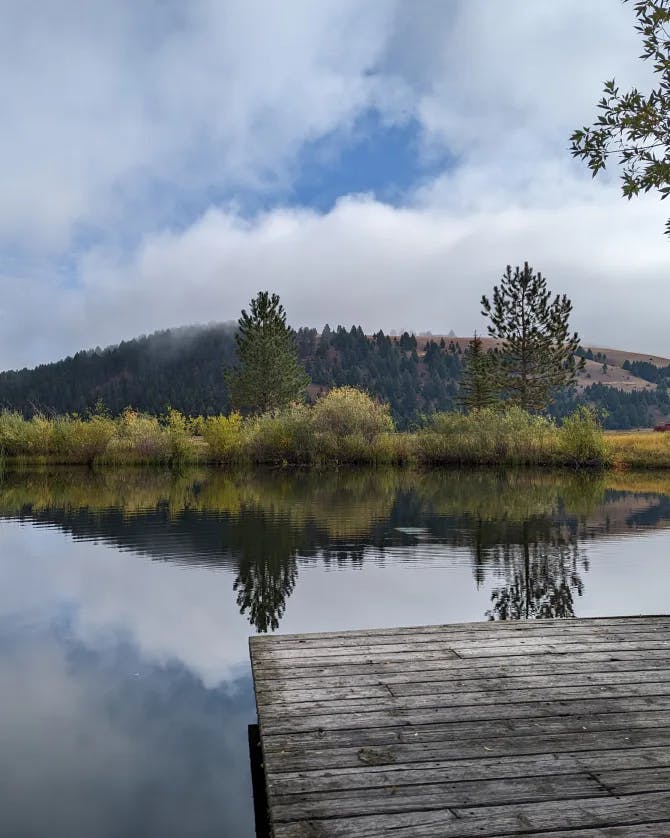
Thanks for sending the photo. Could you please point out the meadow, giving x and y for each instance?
(638, 449)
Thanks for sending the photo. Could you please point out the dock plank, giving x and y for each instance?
(381, 666)
(474, 730)
(557, 727)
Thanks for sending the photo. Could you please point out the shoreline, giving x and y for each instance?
(350, 430)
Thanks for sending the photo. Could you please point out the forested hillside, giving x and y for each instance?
(183, 368)
(390, 368)
(180, 368)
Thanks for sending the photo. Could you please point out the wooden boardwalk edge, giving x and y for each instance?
(557, 727)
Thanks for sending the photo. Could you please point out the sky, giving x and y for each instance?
(374, 162)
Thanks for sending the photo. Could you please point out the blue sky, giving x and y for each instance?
(373, 162)
(377, 159)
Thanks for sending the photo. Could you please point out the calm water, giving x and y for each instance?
(126, 601)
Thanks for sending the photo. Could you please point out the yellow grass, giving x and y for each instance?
(639, 449)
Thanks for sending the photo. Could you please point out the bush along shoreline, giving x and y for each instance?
(346, 426)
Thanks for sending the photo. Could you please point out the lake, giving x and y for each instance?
(127, 599)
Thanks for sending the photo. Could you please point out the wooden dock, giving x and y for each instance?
(549, 729)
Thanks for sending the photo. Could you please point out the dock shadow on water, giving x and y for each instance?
(127, 598)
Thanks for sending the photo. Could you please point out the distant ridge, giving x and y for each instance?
(183, 368)
(593, 374)
(615, 356)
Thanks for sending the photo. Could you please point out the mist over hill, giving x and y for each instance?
(183, 368)
(179, 367)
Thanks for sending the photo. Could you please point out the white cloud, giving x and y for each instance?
(122, 114)
(424, 267)
(108, 100)
(114, 596)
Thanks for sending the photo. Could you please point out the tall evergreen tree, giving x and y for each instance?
(270, 375)
(478, 384)
(536, 352)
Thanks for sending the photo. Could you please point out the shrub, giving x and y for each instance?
(39, 436)
(279, 436)
(13, 434)
(345, 426)
(488, 436)
(223, 435)
(348, 412)
(396, 448)
(77, 440)
(140, 437)
(581, 439)
(179, 442)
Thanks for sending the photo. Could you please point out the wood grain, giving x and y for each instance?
(548, 728)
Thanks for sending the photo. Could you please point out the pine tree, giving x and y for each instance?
(269, 376)
(536, 351)
(478, 384)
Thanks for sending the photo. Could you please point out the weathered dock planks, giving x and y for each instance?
(545, 729)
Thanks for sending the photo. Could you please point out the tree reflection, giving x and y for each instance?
(266, 546)
(542, 577)
(521, 528)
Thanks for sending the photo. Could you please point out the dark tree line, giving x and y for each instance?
(179, 368)
(183, 368)
(649, 372)
(390, 368)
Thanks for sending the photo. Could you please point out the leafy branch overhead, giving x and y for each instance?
(632, 128)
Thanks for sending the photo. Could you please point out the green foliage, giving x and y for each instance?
(619, 410)
(632, 128)
(63, 439)
(140, 437)
(270, 376)
(182, 368)
(581, 439)
(279, 436)
(223, 435)
(479, 381)
(488, 436)
(14, 434)
(178, 432)
(535, 355)
(346, 411)
(83, 440)
(346, 426)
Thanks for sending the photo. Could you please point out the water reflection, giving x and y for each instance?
(541, 579)
(98, 740)
(127, 598)
(266, 547)
(524, 532)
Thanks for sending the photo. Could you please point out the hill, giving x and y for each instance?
(176, 367)
(603, 366)
(182, 368)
